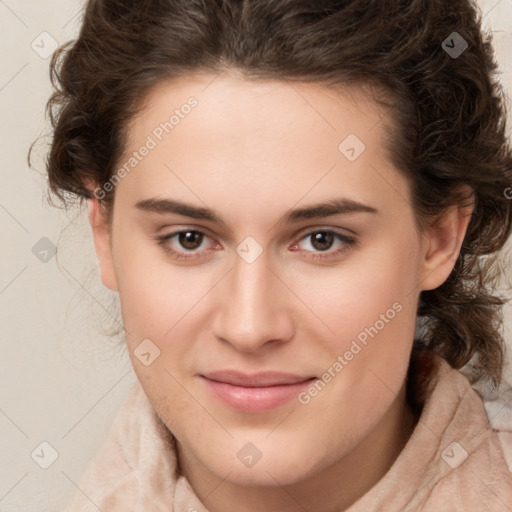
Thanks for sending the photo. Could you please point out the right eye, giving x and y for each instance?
(190, 241)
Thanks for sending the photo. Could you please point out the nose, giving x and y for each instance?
(255, 307)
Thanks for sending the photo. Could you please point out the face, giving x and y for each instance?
(228, 268)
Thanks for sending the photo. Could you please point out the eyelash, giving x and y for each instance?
(348, 243)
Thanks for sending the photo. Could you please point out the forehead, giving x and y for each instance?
(261, 103)
(257, 138)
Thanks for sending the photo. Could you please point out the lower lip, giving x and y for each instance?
(255, 399)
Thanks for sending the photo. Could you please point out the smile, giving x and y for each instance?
(254, 393)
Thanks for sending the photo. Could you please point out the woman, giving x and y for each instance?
(300, 204)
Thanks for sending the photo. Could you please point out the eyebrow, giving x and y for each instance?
(315, 211)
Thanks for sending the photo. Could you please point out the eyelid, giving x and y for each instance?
(313, 229)
(180, 228)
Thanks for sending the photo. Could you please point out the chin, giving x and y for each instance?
(270, 474)
(279, 464)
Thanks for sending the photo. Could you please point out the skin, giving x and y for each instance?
(251, 151)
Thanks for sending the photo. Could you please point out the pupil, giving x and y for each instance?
(189, 239)
(322, 240)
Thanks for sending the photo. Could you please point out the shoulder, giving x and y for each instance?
(135, 466)
(499, 413)
(471, 458)
(497, 403)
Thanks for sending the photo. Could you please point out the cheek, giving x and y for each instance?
(373, 286)
(158, 298)
(370, 307)
(154, 293)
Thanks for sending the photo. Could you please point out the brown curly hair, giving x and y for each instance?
(448, 113)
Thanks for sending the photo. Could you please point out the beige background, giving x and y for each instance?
(61, 380)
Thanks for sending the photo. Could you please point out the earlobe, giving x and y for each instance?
(443, 240)
(102, 243)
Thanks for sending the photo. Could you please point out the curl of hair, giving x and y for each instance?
(447, 115)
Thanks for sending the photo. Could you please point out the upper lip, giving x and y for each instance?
(255, 380)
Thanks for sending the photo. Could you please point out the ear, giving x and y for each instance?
(443, 240)
(102, 243)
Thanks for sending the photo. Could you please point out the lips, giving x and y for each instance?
(258, 392)
(262, 379)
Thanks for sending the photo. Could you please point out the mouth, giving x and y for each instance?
(254, 392)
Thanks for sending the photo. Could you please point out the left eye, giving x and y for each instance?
(322, 240)
(191, 242)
